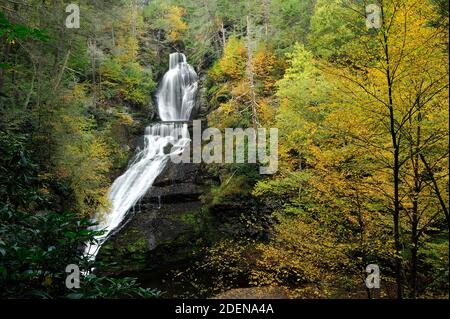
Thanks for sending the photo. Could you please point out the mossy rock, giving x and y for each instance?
(127, 252)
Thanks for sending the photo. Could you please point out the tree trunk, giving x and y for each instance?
(113, 37)
(61, 72)
(396, 167)
(224, 38)
(251, 76)
(266, 4)
(415, 211)
(435, 187)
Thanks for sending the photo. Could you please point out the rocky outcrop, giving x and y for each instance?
(166, 223)
(203, 106)
(164, 226)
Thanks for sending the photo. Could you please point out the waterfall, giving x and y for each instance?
(176, 97)
(176, 100)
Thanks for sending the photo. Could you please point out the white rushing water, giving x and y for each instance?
(176, 100)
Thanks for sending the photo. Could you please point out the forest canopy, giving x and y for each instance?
(363, 117)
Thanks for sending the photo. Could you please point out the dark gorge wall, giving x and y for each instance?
(164, 225)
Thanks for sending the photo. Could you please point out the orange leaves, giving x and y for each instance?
(232, 92)
(266, 111)
(232, 64)
(267, 67)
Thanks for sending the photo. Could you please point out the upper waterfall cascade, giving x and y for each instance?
(176, 101)
(176, 97)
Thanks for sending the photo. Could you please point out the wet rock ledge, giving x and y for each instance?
(164, 226)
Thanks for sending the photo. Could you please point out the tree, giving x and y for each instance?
(395, 75)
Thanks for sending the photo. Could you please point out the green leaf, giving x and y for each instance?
(70, 234)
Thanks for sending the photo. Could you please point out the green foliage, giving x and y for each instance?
(331, 28)
(168, 18)
(81, 155)
(35, 249)
(19, 186)
(233, 63)
(95, 287)
(335, 180)
(12, 32)
(340, 95)
(128, 82)
(290, 21)
(436, 259)
(37, 243)
(234, 186)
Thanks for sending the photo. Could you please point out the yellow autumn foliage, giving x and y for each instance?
(82, 157)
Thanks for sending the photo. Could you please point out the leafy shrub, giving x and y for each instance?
(37, 243)
(35, 250)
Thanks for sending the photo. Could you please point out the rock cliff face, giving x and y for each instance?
(166, 223)
(163, 226)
